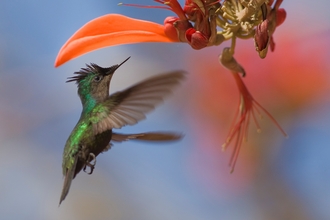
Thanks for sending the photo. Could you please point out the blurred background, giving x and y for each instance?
(275, 178)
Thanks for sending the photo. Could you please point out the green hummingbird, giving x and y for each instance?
(101, 113)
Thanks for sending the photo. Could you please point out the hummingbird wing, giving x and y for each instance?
(129, 106)
(150, 136)
(68, 179)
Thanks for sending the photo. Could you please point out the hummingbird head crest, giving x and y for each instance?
(94, 81)
(94, 71)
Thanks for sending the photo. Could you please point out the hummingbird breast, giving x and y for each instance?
(95, 146)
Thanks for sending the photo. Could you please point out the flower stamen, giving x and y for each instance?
(239, 128)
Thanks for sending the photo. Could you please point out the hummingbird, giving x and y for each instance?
(103, 112)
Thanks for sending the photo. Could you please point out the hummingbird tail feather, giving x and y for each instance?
(68, 179)
(150, 136)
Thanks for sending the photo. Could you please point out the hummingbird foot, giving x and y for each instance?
(91, 161)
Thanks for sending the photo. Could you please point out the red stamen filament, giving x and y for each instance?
(247, 107)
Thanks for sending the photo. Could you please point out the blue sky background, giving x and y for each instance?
(136, 180)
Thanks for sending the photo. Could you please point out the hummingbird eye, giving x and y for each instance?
(97, 78)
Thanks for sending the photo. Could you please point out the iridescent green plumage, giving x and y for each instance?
(101, 113)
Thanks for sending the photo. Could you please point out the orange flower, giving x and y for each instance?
(197, 24)
(110, 30)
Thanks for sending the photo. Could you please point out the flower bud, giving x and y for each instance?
(261, 39)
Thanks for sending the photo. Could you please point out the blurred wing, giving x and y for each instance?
(129, 106)
(150, 136)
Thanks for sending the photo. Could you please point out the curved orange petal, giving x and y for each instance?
(110, 30)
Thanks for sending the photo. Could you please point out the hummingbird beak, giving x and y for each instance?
(112, 69)
(122, 62)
